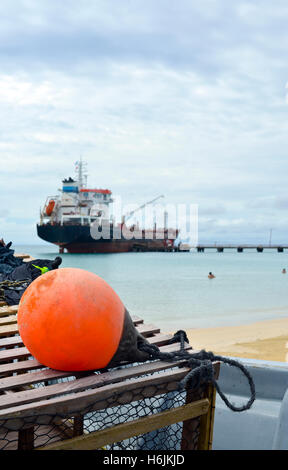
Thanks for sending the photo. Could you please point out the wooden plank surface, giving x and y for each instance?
(25, 257)
(91, 381)
(106, 396)
(158, 339)
(14, 353)
(145, 330)
(8, 383)
(8, 320)
(19, 366)
(22, 255)
(11, 341)
(12, 367)
(8, 310)
(20, 352)
(207, 422)
(8, 330)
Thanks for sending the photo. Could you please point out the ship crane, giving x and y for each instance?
(129, 215)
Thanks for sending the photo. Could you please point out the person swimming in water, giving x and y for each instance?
(284, 271)
(211, 275)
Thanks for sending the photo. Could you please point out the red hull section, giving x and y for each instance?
(116, 246)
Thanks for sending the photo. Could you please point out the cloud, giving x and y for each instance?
(188, 99)
(3, 213)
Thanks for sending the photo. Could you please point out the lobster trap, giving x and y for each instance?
(135, 406)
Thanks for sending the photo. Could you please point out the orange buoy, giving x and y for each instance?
(50, 206)
(71, 319)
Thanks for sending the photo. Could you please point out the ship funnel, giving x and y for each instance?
(70, 186)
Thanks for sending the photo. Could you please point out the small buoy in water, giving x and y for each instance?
(71, 319)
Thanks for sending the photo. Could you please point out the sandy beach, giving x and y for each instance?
(266, 340)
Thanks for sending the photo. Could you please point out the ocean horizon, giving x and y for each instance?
(172, 290)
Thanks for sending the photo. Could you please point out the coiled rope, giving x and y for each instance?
(201, 365)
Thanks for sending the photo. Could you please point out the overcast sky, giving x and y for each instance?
(176, 97)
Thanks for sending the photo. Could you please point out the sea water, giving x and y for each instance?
(172, 290)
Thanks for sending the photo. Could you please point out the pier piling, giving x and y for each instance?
(241, 248)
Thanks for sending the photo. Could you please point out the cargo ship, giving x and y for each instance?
(79, 220)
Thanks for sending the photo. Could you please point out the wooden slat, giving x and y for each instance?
(78, 425)
(8, 310)
(29, 379)
(136, 320)
(22, 255)
(8, 369)
(20, 366)
(120, 432)
(11, 341)
(26, 439)
(14, 353)
(8, 320)
(207, 422)
(21, 352)
(92, 381)
(158, 339)
(106, 396)
(13, 309)
(147, 330)
(7, 330)
(173, 347)
(7, 383)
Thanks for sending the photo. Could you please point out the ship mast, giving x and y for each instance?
(80, 168)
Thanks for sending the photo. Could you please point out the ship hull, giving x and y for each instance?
(77, 239)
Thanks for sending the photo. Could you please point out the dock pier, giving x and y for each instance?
(240, 248)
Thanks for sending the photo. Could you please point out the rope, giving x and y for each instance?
(201, 365)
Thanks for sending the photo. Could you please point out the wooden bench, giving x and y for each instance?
(47, 409)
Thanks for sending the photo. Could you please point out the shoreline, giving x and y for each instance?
(266, 340)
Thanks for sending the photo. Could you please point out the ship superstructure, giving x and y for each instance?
(77, 203)
(80, 221)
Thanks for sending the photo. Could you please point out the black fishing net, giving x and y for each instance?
(14, 282)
